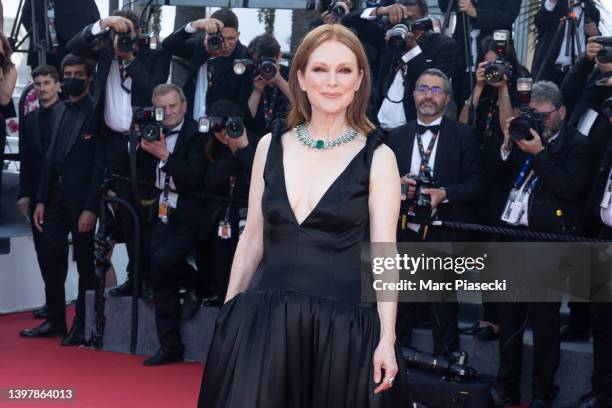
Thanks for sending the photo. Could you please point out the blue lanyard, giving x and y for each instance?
(523, 173)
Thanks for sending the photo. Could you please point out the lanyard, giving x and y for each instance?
(523, 172)
(425, 154)
(231, 198)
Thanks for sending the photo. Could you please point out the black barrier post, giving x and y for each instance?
(100, 275)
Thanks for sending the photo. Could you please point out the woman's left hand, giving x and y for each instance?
(385, 366)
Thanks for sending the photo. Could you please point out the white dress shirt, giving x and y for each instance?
(117, 101)
(201, 88)
(160, 182)
(587, 121)
(391, 113)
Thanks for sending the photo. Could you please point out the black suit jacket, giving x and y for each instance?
(32, 155)
(437, 51)
(187, 167)
(563, 170)
(70, 17)
(457, 165)
(547, 24)
(224, 83)
(83, 160)
(149, 69)
(491, 15)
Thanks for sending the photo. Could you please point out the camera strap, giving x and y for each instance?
(225, 227)
(124, 76)
(425, 154)
(523, 173)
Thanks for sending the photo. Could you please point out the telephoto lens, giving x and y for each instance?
(215, 42)
(338, 8)
(267, 68)
(125, 42)
(604, 56)
(234, 127)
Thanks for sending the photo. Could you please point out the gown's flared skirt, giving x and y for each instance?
(279, 349)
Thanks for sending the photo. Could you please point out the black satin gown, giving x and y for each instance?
(300, 337)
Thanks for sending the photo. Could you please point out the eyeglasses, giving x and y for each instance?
(424, 89)
(546, 115)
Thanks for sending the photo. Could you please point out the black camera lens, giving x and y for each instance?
(397, 37)
(150, 133)
(215, 42)
(529, 118)
(338, 9)
(234, 127)
(125, 42)
(604, 56)
(267, 69)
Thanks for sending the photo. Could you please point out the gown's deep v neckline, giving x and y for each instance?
(325, 194)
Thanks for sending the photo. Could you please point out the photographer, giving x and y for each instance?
(34, 139)
(230, 157)
(547, 165)
(127, 73)
(445, 152)
(556, 51)
(68, 200)
(484, 17)
(412, 47)
(210, 45)
(180, 174)
(270, 98)
(8, 79)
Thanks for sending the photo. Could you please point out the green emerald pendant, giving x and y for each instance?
(320, 144)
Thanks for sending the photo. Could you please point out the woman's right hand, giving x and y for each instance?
(480, 79)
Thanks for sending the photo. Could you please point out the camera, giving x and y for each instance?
(398, 33)
(419, 207)
(125, 41)
(215, 42)
(233, 125)
(338, 9)
(494, 71)
(604, 55)
(606, 107)
(453, 369)
(149, 121)
(266, 67)
(529, 118)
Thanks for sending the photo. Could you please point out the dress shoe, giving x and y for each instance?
(47, 329)
(487, 333)
(540, 403)
(212, 301)
(164, 357)
(191, 304)
(471, 330)
(41, 313)
(125, 289)
(591, 400)
(76, 336)
(572, 334)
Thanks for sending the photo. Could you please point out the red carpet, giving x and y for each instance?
(97, 378)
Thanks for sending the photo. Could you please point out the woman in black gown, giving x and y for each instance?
(293, 331)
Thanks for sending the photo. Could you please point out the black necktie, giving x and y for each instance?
(421, 129)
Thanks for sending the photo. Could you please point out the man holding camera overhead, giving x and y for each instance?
(180, 174)
(547, 165)
(210, 45)
(412, 47)
(128, 70)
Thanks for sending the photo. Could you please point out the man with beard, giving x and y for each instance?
(548, 177)
(443, 149)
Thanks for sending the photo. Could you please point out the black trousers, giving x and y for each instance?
(545, 321)
(170, 245)
(579, 315)
(61, 217)
(118, 163)
(36, 236)
(214, 257)
(444, 325)
(601, 325)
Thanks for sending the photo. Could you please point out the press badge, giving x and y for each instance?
(605, 201)
(225, 230)
(163, 211)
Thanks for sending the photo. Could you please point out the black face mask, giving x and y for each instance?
(74, 86)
